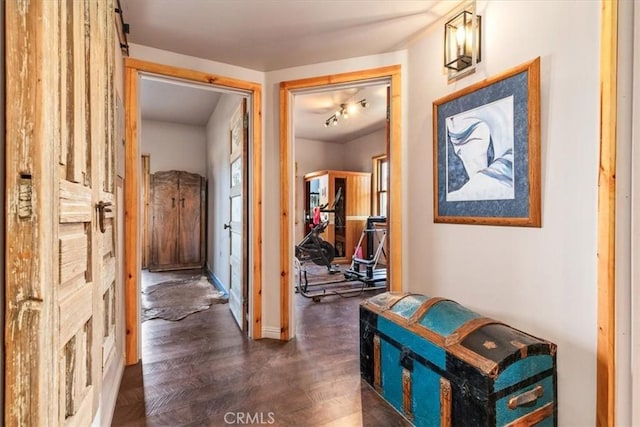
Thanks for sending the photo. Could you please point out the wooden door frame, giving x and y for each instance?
(145, 160)
(133, 69)
(287, 90)
(606, 332)
(635, 223)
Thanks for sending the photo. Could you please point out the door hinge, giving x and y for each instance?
(245, 121)
(388, 114)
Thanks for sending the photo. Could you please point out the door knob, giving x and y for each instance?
(102, 208)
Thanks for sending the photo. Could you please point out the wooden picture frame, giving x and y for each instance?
(486, 151)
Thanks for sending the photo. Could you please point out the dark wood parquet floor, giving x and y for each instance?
(202, 371)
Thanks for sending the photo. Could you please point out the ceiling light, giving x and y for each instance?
(344, 111)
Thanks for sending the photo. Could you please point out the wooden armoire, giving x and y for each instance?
(177, 222)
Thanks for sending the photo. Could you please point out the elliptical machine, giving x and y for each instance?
(312, 247)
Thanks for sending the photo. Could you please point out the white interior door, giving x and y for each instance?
(237, 216)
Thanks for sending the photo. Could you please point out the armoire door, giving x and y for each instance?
(190, 218)
(165, 199)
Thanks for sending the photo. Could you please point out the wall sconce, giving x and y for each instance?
(462, 37)
(344, 111)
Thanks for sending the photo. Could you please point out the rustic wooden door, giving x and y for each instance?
(191, 219)
(165, 200)
(61, 283)
(237, 191)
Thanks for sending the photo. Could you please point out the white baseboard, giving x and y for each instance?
(271, 332)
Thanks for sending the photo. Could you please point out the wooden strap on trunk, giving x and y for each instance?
(445, 402)
(377, 384)
(426, 306)
(407, 405)
(461, 333)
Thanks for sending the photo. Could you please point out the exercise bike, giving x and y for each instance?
(312, 247)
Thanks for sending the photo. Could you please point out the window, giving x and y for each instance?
(380, 185)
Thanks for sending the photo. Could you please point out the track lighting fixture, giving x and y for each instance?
(344, 111)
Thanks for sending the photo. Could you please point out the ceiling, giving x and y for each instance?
(176, 102)
(271, 35)
(311, 111)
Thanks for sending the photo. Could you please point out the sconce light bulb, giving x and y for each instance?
(460, 35)
(326, 124)
(335, 121)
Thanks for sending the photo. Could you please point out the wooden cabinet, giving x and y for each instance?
(351, 211)
(177, 220)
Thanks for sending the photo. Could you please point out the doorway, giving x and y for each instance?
(186, 224)
(288, 90)
(134, 70)
(340, 144)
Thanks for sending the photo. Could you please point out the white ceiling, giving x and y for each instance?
(176, 102)
(267, 35)
(311, 111)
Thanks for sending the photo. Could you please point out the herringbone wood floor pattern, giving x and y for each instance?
(202, 371)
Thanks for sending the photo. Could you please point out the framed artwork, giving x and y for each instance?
(486, 151)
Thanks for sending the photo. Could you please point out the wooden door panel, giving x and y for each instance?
(164, 236)
(359, 190)
(76, 232)
(60, 80)
(76, 379)
(108, 284)
(189, 237)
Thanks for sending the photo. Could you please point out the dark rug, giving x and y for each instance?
(177, 299)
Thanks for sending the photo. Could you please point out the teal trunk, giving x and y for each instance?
(441, 364)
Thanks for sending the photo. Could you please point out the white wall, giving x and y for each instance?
(217, 159)
(312, 155)
(542, 281)
(165, 57)
(363, 150)
(174, 146)
(623, 213)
